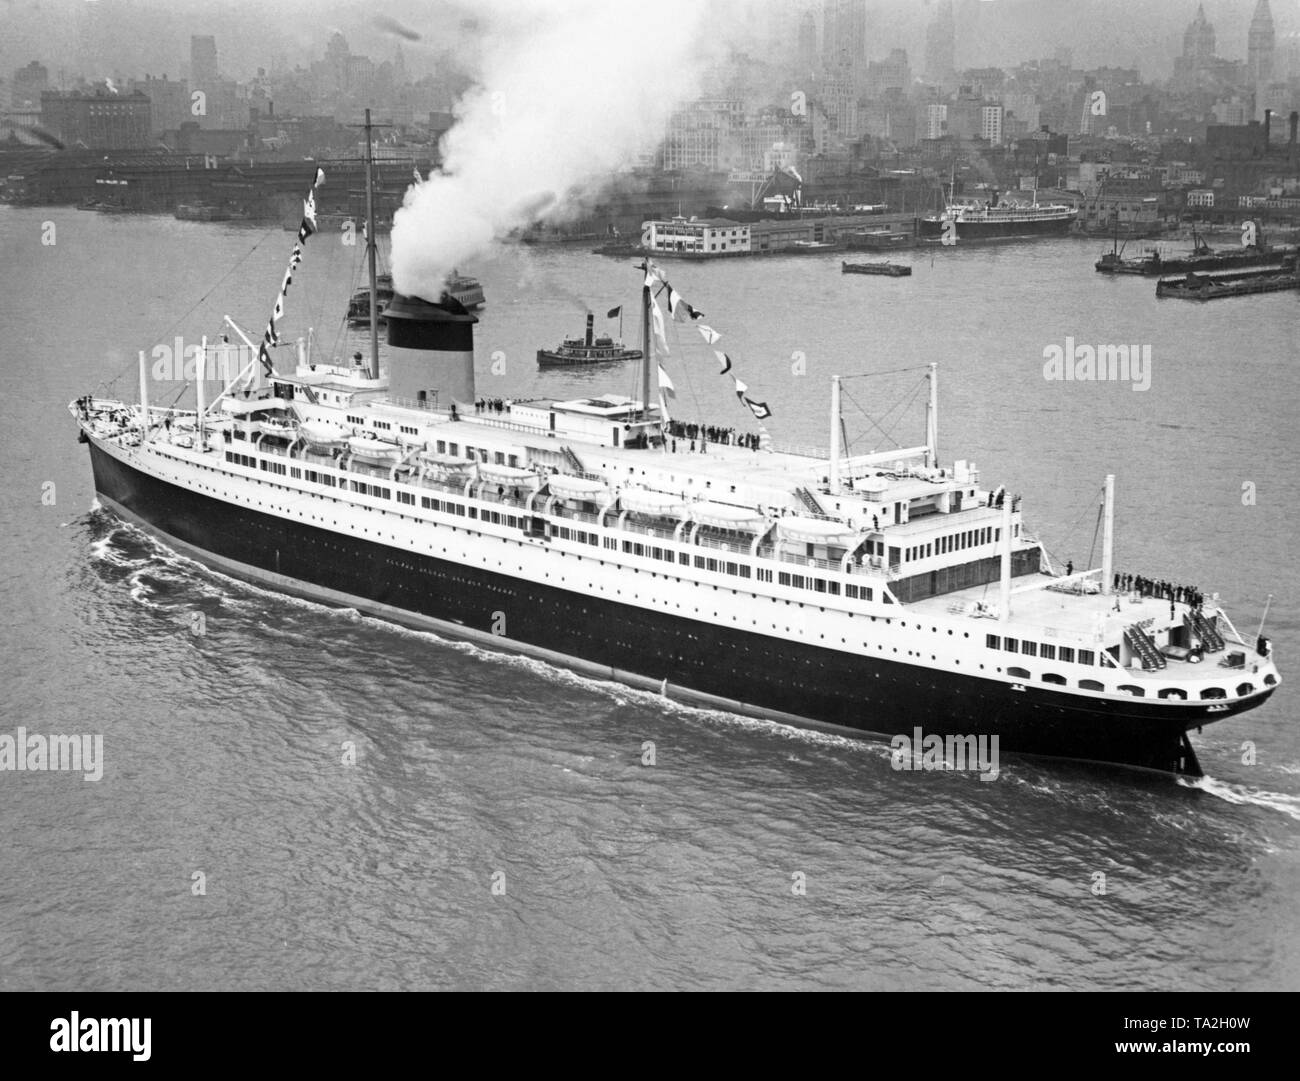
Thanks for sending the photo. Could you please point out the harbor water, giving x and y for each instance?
(295, 797)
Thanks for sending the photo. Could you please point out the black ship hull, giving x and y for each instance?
(933, 229)
(547, 358)
(1203, 264)
(688, 660)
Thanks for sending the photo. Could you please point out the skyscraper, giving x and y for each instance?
(1259, 55)
(941, 46)
(806, 52)
(203, 63)
(1198, 38)
(844, 37)
(1259, 46)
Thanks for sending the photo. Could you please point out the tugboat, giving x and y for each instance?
(586, 350)
(892, 270)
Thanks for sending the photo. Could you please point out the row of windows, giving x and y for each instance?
(1208, 694)
(1045, 650)
(446, 506)
(953, 542)
(740, 570)
(477, 453)
(375, 490)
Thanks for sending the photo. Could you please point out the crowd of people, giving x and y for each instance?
(1152, 587)
(493, 405)
(711, 433)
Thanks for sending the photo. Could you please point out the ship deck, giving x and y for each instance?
(1084, 620)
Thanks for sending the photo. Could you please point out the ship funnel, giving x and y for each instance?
(431, 350)
(590, 321)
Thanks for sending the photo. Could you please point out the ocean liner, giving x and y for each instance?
(994, 220)
(866, 594)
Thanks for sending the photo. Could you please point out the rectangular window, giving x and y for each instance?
(1048, 653)
(992, 641)
(1087, 656)
(1067, 653)
(407, 498)
(1011, 645)
(1029, 649)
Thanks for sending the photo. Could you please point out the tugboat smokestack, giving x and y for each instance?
(590, 320)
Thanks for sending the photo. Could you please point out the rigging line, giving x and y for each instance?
(1095, 530)
(903, 412)
(904, 404)
(212, 289)
(684, 366)
(1074, 526)
(891, 371)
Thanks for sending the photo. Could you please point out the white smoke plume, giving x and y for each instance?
(566, 92)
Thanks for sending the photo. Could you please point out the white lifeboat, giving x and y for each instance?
(649, 501)
(321, 433)
(375, 449)
(508, 474)
(727, 516)
(568, 486)
(814, 530)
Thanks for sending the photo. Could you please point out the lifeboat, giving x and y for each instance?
(814, 530)
(727, 516)
(649, 501)
(568, 486)
(321, 434)
(374, 449)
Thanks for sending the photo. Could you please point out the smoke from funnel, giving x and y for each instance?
(564, 97)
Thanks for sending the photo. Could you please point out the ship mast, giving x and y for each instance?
(646, 350)
(370, 254)
(835, 435)
(932, 418)
(1108, 535)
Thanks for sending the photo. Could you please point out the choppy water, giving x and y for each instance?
(224, 752)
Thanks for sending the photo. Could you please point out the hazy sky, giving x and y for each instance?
(135, 36)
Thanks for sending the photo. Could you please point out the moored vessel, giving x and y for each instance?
(892, 270)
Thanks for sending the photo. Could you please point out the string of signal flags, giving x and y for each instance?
(678, 307)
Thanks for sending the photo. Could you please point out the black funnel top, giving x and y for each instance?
(416, 323)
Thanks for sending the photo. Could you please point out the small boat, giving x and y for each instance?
(586, 350)
(1211, 286)
(878, 240)
(892, 270)
(201, 212)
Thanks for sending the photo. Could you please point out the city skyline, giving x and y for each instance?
(95, 38)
